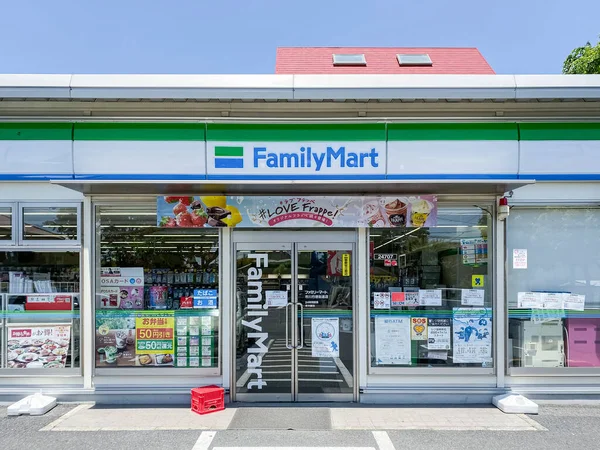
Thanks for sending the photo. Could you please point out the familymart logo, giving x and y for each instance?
(229, 157)
(291, 157)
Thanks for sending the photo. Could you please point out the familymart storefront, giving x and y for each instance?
(286, 262)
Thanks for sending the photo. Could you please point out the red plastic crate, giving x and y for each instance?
(208, 399)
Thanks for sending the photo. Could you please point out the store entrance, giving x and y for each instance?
(294, 323)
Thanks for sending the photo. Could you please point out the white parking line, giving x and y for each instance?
(293, 448)
(65, 416)
(203, 442)
(383, 440)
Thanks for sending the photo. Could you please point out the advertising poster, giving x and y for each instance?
(115, 338)
(325, 338)
(309, 211)
(438, 337)
(392, 340)
(418, 328)
(472, 331)
(382, 300)
(38, 347)
(154, 333)
(122, 288)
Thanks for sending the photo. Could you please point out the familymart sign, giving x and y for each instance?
(294, 159)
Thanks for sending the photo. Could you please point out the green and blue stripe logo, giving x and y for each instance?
(229, 157)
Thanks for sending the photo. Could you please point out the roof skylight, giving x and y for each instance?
(414, 60)
(349, 60)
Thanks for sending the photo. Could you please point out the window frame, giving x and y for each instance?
(179, 372)
(487, 206)
(14, 213)
(20, 223)
(540, 371)
(66, 372)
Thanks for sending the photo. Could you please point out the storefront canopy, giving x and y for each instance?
(271, 187)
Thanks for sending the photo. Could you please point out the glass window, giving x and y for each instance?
(553, 287)
(431, 292)
(50, 223)
(40, 300)
(5, 223)
(157, 291)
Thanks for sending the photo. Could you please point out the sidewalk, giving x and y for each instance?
(104, 418)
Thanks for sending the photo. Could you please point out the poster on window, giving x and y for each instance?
(121, 288)
(392, 340)
(472, 335)
(115, 338)
(299, 211)
(438, 337)
(38, 347)
(325, 337)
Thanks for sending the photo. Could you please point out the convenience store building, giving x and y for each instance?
(300, 237)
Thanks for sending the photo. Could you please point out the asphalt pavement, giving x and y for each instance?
(556, 427)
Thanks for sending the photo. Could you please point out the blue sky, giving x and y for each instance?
(225, 36)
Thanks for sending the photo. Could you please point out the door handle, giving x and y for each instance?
(287, 327)
(301, 326)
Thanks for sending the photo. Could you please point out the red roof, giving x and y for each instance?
(380, 60)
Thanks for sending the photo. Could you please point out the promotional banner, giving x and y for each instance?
(37, 347)
(154, 333)
(472, 330)
(325, 338)
(122, 287)
(392, 340)
(306, 211)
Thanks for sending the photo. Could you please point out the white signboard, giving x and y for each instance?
(472, 330)
(325, 338)
(276, 298)
(472, 297)
(430, 297)
(520, 258)
(531, 300)
(575, 302)
(382, 300)
(392, 340)
(438, 334)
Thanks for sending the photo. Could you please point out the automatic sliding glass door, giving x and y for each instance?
(294, 323)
